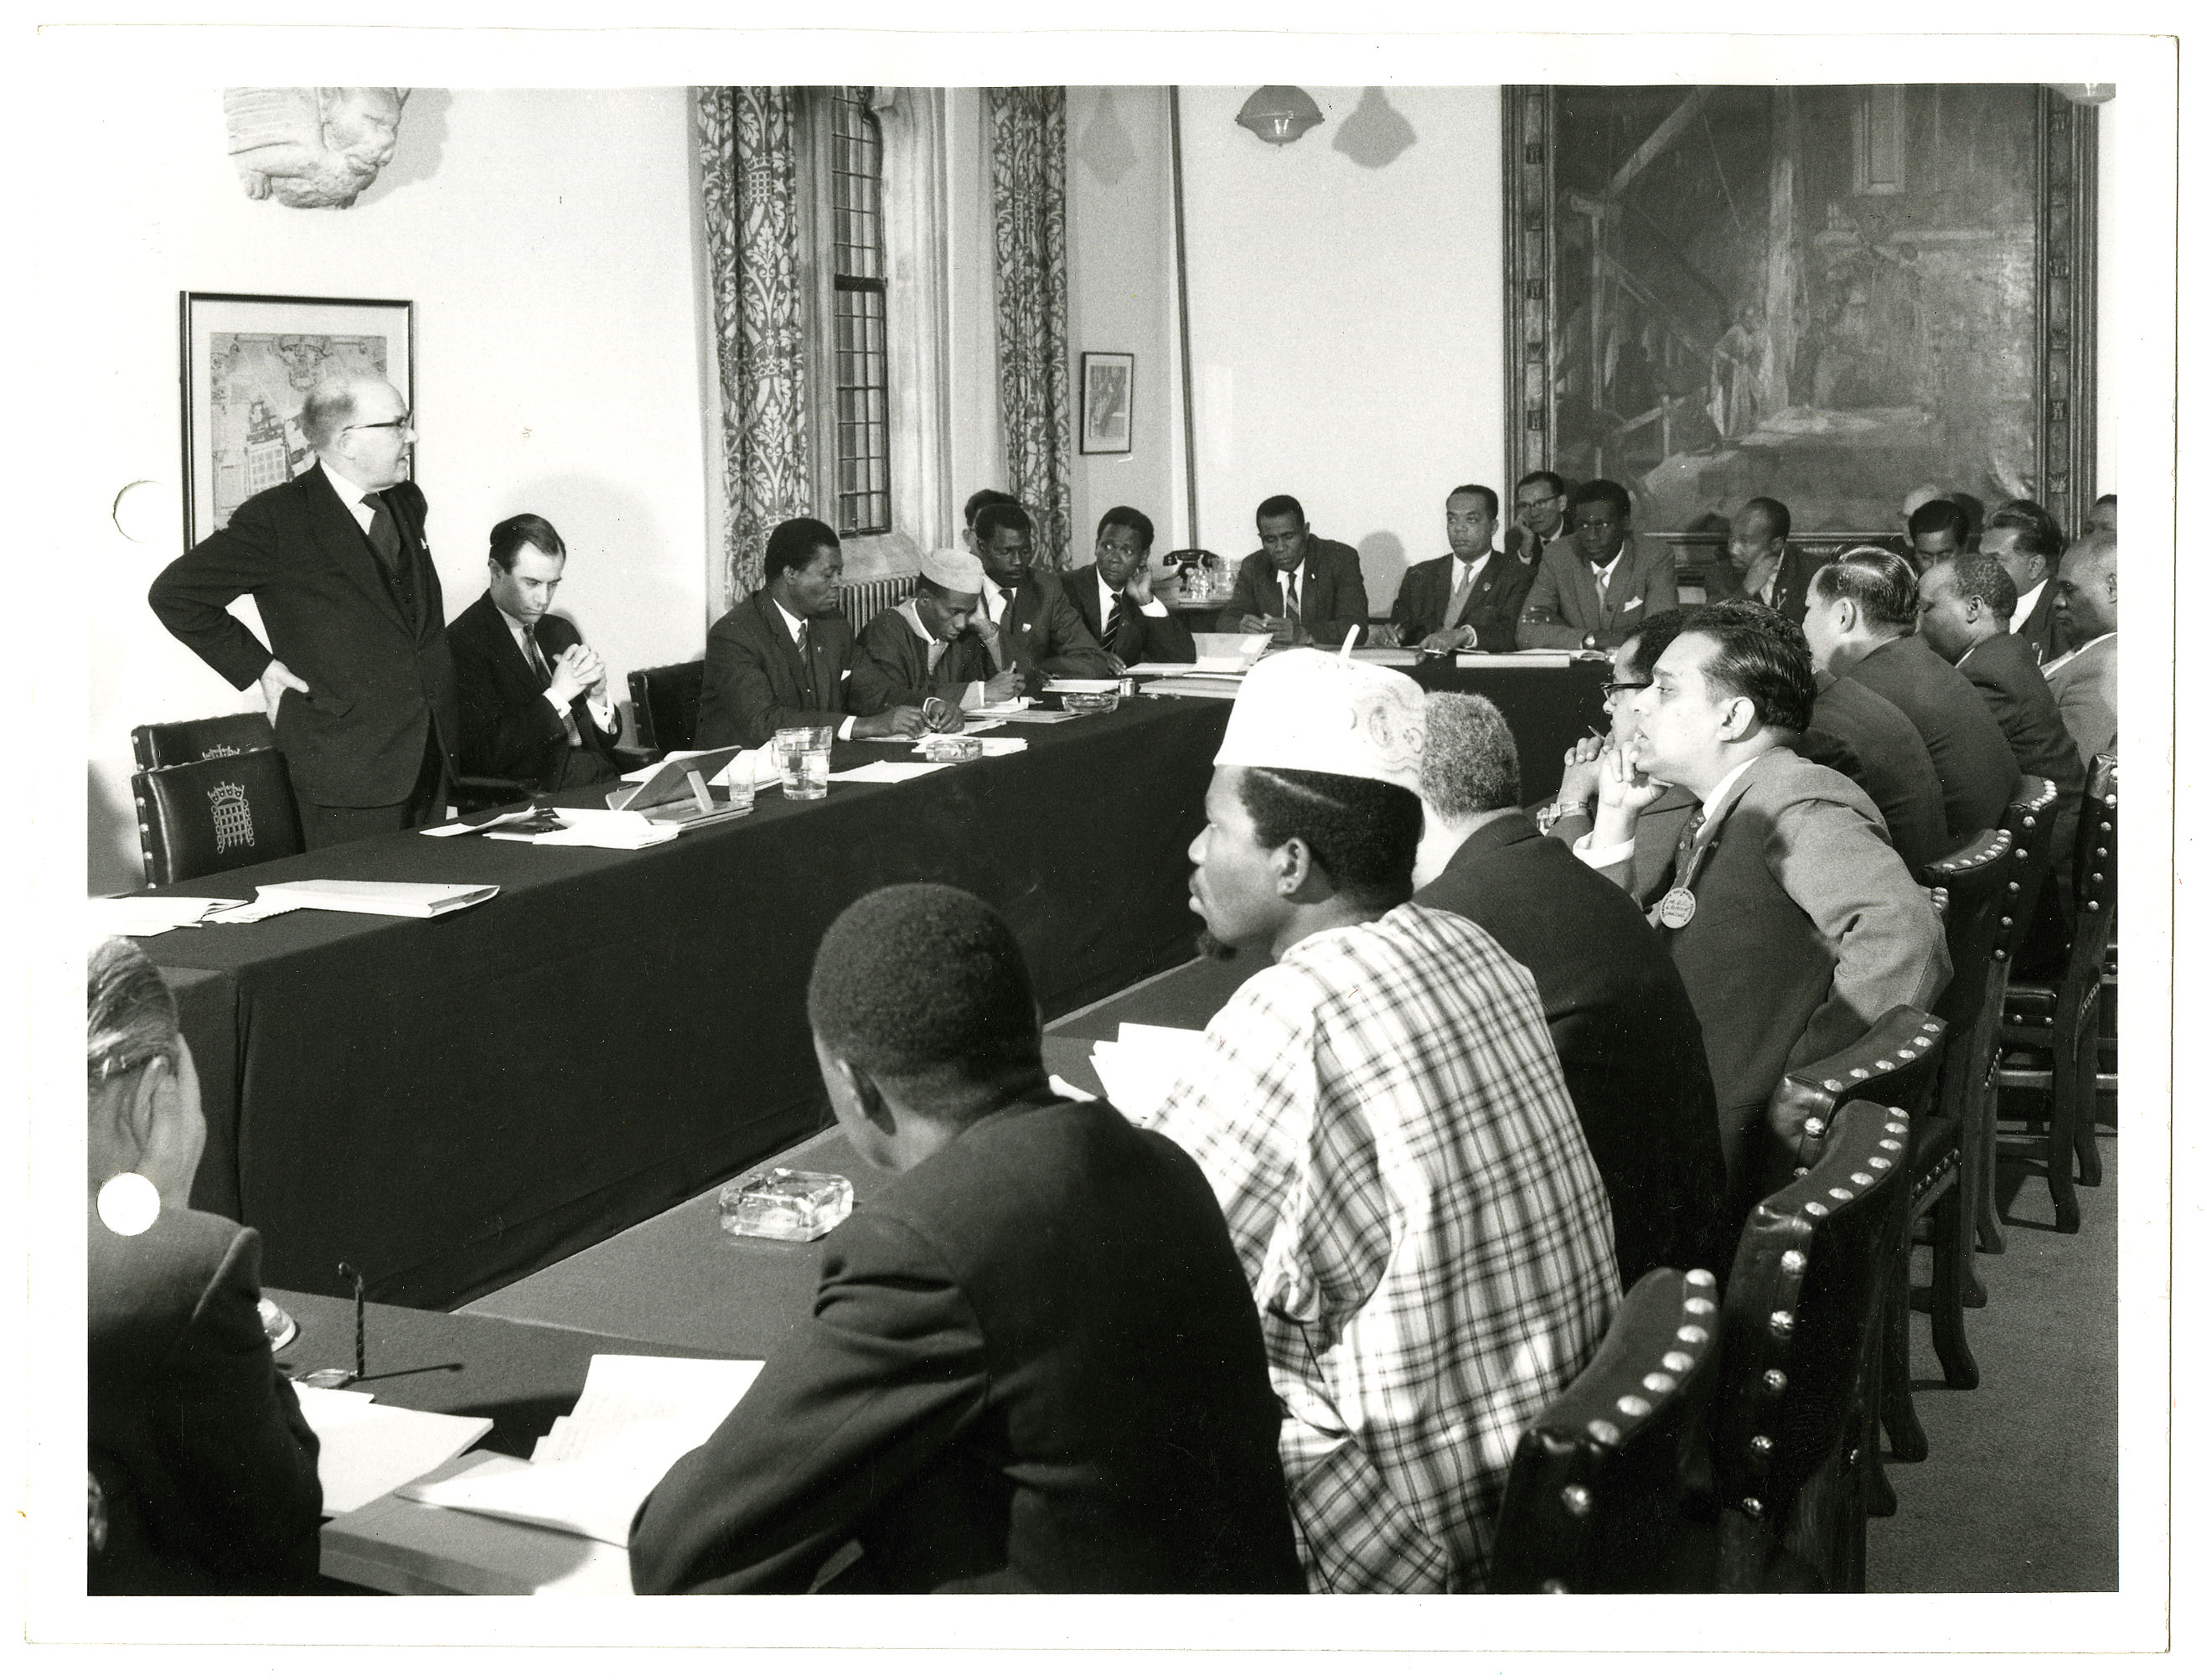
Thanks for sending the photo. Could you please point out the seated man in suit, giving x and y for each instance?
(533, 702)
(1963, 615)
(974, 504)
(1596, 584)
(1025, 619)
(1114, 599)
(1543, 501)
(1623, 1028)
(1764, 568)
(1793, 921)
(1031, 1363)
(2101, 520)
(1381, 1114)
(1937, 529)
(781, 659)
(1570, 816)
(1298, 587)
(206, 1467)
(1469, 597)
(2083, 680)
(2024, 538)
(1862, 624)
(924, 651)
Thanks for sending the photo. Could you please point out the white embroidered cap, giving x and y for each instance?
(953, 569)
(1308, 711)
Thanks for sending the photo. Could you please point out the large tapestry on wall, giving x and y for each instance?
(1033, 350)
(1827, 295)
(748, 144)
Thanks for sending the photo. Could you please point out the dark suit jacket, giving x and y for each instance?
(377, 682)
(208, 1466)
(1139, 637)
(2003, 669)
(1976, 768)
(507, 726)
(1563, 607)
(1332, 594)
(1422, 601)
(1625, 1033)
(2041, 629)
(1032, 1363)
(1044, 636)
(1869, 740)
(889, 666)
(1789, 589)
(755, 683)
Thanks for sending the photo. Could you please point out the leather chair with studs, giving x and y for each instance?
(2030, 825)
(155, 746)
(666, 699)
(215, 814)
(1609, 1491)
(1794, 1423)
(2058, 1027)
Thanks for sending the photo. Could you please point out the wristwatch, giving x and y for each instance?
(1550, 815)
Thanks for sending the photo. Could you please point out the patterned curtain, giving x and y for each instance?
(748, 140)
(1034, 377)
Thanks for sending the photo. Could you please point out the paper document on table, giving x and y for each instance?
(368, 1450)
(1534, 660)
(638, 1415)
(1397, 656)
(653, 769)
(887, 770)
(141, 918)
(1160, 668)
(1000, 708)
(1139, 1069)
(370, 898)
(612, 830)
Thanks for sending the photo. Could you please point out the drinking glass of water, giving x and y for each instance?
(801, 756)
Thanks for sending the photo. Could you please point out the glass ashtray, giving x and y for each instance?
(1090, 705)
(950, 748)
(786, 1205)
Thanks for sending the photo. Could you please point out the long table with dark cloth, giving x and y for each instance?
(451, 1105)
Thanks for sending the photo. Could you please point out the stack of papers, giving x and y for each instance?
(1401, 656)
(1201, 685)
(369, 1449)
(141, 918)
(636, 1415)
(999, 709)
(1539, 658)
(887, 769)
(419, 898)
(1141, 1068)
(613, 830)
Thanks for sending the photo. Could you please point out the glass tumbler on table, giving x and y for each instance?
(801, 756)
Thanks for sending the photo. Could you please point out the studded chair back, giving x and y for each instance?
(216, 814)
(2029, 822)
(1893, 1064)
(1974, 876)
(158, 745)
(1801, 1317)
(1601, 1496)
(665, 698)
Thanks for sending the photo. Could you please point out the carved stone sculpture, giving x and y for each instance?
(312, 147)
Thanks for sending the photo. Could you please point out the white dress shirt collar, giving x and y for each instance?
(794, 625)
(2026, 604)
(350, 494)
(2055, 664)
(1462, 572)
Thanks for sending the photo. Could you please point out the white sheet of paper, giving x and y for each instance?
(369, 1449)
(1139, 1069)
(133, 919)
(887, 770)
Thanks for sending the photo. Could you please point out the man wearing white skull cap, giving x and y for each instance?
(1383, 1118)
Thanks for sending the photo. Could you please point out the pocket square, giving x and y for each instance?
(1632, 603)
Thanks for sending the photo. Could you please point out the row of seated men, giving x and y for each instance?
(1286, 1333)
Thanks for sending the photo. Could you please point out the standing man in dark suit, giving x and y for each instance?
(1300, 588)
(1624, 1027)
(1114, 599)
(782, 659)
(1792, 921)
(337, 563)
(1862, 624)
(1470, 596)
(1542, 501)
(1025, 619)
(1031, 1365)
(1595, 585)
(2024, 538)
(533, 702)
(1764, 568)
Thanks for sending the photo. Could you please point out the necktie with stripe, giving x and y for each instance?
(391, 554)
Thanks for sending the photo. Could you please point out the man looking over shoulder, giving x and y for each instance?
(1792, 921)
(2024, 538)
(533, 701)
(782, 659)
(1623, 1028)
(1469, 597)
(1862, 624)
(1542, 500)
(923, 652)
(1382, 1117)
(1596, 584)
(2082, 680)
(1298, 587)
(1023, 618)
(1032, 1363)
(337, 563)
(1113, 595)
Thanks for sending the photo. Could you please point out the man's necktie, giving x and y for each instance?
(1457, 602)
(1687, 836)
(1293, 604)
(1110, 618)
(805, 684)
(391, 554)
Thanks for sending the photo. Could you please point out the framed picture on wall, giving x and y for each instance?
(1107, 403)
(249, 363)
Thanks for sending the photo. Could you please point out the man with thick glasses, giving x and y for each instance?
(356, 676)
(1542, 500)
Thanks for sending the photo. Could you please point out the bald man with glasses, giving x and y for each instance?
(356, 676)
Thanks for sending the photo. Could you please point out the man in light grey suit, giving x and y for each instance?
(1595, 585)
(2083, 678)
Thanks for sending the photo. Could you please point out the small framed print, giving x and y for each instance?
(1107, 403)
(249, 363)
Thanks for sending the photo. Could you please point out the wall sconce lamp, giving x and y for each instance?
(2085, 92)
(1278, 114)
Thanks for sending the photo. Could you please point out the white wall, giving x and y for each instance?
(1346, 319)
(548, 240)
